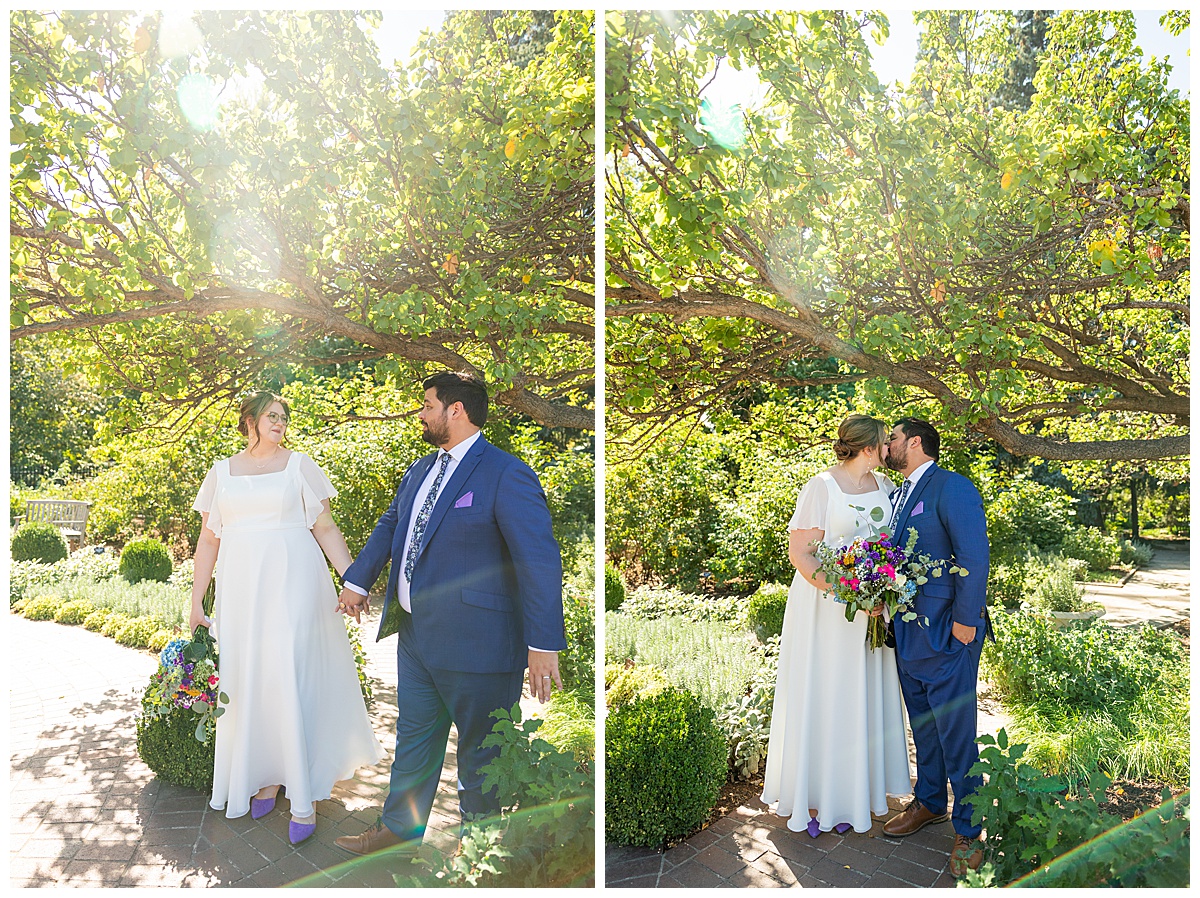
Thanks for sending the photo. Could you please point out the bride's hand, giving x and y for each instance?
(197, 619)
(876, 611)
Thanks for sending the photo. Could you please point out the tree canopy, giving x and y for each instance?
(199, 200)
(1017, 268)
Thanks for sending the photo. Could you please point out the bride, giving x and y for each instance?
(837, 747)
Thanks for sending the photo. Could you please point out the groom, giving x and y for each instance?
(939, 662)
(475, 595)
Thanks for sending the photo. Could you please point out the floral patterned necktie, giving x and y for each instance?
(414, 548)
(900, 503)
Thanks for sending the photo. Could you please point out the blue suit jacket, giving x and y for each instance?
(488, 580)
(947, 512)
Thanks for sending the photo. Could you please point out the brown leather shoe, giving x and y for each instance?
(377, 838)
(911, 819)
(967, 854)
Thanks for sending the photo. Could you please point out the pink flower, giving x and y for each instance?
(853, 583)
(212, 681)
(888, 569)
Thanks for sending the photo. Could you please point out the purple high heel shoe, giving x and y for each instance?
(841, 828)
(814, 828)
(298, 832)
(260, 807)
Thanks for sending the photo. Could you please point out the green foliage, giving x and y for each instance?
(23, 575)
(138, 632)
(1136, 553)
(764, 611)
(146, 559)
(624, 683)
(547, 831)
(96, 620)
(158, 641)
(354, 634)
(665, 761)
(1097, 667)
(1041, 836)
(73, 612)
(43, 607)
(704, 657)
(746, 720)
(113, 624)
(1024, 515)
(1051, 586)
(38, 541)
(577, 665)
(650, 603)
(169, 747)
(1092, 545)
(569, 723)
(614, 587)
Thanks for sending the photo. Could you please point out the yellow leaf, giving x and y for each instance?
(141, 40)
(510, 148)
(1006, 180)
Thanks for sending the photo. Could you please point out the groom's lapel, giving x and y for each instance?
(446, 497)
(913, 499)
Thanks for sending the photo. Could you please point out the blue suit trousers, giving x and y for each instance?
(428, 700)
(939, 694)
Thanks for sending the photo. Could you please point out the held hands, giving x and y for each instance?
(352, 604)
(543, 670)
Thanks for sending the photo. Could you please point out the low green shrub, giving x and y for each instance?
(705, 657)
(764, 611)
(1092, 545)
(1006, 582)
(569, 723)
(168, 746)
(159, 640)
(625, 683)
(1053, 587)
(746, 720)
(146, 559)
(1024, 515)
(42, 607)
(614, 587)
(114, 623)
(665, 764)
(137, 632)
(577, 664)
(1098, 667)
(1136, 552)
(651, 603)
(96, 620)
(38, 541)
(25, 575)
(88, 564)
(73, 612)
(1040, 835)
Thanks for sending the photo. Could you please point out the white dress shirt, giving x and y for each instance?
(457, 453)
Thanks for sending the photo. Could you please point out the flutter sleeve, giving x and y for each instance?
(206, 500)
(812, 506)
(315, 487)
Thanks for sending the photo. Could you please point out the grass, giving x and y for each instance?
(704, 657)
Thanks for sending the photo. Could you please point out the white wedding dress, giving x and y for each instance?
(296, 715)
(837, 740)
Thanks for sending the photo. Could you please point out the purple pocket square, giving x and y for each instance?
(920, 507)
(465, 500)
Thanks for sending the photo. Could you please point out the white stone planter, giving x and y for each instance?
(1064, 619)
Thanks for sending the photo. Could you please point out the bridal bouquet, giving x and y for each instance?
(872, 571)
(187, 680)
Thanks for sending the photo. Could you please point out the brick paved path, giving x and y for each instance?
(753, 847)
(85, 811)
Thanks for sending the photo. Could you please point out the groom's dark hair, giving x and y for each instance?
(464, 387)
(931, 443)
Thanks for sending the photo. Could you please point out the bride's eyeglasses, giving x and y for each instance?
(276, 418)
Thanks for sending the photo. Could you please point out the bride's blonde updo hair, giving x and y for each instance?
(857, 433)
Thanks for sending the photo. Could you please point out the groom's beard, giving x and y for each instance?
(897, 460)
(435, 435)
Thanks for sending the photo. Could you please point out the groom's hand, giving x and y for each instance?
(353, 604)
(962, 632)
(543, 670)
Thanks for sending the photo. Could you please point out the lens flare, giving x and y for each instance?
(198, 101)
(723, 123)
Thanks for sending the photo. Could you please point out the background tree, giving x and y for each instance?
(199, 202)
(1021, 272)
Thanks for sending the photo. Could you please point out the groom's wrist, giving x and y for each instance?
(354, 588)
